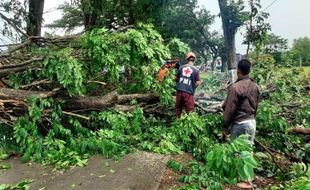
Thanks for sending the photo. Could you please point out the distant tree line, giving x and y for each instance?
(182, 19)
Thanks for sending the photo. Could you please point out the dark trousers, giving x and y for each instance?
(184, 100)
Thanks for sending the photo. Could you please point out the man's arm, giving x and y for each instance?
(231, 104)
(198, 81)
(177, 76)
(257, 100)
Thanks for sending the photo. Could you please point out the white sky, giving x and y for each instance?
(289, 19)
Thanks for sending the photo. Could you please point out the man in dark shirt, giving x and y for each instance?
(241, 104)
(187, 81)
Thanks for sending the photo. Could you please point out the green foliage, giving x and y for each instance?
(257, 28)
(23, 185)
(298, 170)
(175, 166)
(233, 13)
(263, 69)
(201, 177)
(299, 49)
(54, 148)
(111, 133)
(232, 161)
(275, 44)
(210, 82)
(301, 183)
(266, 121)
(129, 61)
(223, 163)
(7, 141)
(182, 19)
(195, 134)
(62, 67)
(26, 131)
(70, 20)
(139, 52)
(4, 166)
(178, 48)
(59, 66)
(4, 156)
(26, 77)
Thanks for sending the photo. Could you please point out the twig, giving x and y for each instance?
(13, 102)
(217, 108)
(97, 82)
(35, 83)
(12, 24)
(6, 72)
(76, 115)
(54, 40)
(8, 53)
(272, 156)
(7, 45)
(21, 64)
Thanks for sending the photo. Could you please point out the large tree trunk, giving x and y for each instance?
(86, 102)
(224, 64)
(213, 63)
(231, 49)
(35, 15)
(90, 10)
(229, 36)
(90, 20)
(131, 17)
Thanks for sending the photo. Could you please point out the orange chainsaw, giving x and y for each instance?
(168, 65)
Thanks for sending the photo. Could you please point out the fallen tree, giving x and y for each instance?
(300, 130)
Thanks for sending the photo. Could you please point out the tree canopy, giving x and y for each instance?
(301, 48)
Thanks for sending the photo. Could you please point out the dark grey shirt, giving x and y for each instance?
(187, 76)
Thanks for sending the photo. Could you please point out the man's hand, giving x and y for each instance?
(224, 133)
(197, 83)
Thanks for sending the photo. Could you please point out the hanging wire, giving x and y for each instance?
(270, 5)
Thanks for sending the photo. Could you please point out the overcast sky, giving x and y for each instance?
(289, 19)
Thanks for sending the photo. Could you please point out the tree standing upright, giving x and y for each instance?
(233, 16)
(35, 17)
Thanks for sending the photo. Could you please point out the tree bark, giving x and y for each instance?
(90, 20)
(109, 100)
(229, 36)
(231, 50)
(224, 64)
(88, 102)
(35, 17)
(299, 130)
(14, 94)
(213, 63)
(138, 97)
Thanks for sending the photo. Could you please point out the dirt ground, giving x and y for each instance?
(170, 178)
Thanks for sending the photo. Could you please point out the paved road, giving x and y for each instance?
(137, 171)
